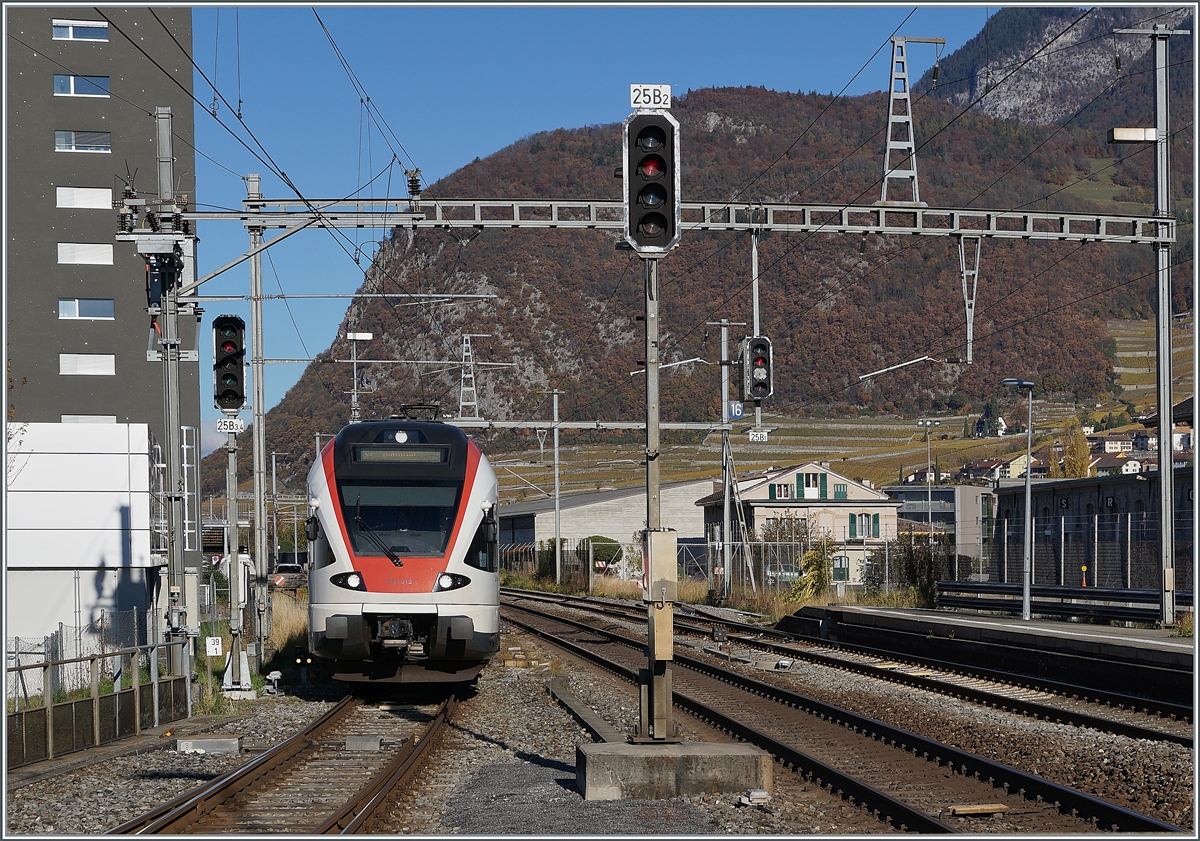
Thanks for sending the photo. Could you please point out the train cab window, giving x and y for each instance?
(484, 552)
(407, 519)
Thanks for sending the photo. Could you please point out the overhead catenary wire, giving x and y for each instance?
(265, 157)
(267, 160)
(1007, 327)
(740, 290)
(618, 281)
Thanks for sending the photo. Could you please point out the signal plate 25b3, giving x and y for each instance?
(650, 177)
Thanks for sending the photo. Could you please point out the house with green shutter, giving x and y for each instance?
(856, 515)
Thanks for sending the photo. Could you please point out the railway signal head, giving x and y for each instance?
(758, 378)
(229, 358)
(650, 177)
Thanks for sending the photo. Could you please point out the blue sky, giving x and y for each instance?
(457, 82)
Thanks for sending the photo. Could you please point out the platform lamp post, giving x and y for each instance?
(1027, 539)
(928, 424)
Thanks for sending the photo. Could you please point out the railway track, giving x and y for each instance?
(331, 778)
(904, 779)
(1044, 700)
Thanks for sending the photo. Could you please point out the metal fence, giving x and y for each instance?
(622, 560)
(755, 567)
(1103, 550)
(111, 631)
(60, 705)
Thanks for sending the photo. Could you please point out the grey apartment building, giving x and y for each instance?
(82, 85)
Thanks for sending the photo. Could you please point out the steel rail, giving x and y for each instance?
(985, 697)
(176, 814)
(1175, 711)
(1117, 699)
(1125, 820)
(360, 810)
(878, 802)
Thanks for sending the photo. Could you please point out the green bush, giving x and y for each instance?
(604, 549)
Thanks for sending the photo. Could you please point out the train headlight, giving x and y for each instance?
(349, 580)
(450, 581)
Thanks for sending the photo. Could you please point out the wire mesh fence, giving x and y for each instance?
(113, 630)
(1103, 550)
(582, 561)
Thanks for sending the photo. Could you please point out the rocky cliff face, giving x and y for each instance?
(1044, 65)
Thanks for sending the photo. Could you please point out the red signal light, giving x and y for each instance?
(761, 360)
(228, 347)
(652, 167)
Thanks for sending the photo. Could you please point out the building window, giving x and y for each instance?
(783, 491)
(79, 30)
(87, 364)
(840, 492)
(89, 418)
(92, 198)
(80, 85)
(86, 308)
(85, 254)
(82, 141)
(864, 525)
(812, 480)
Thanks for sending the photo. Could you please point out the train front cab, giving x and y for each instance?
(431, 619)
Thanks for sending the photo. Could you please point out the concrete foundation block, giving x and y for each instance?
(617, 771)
(210, 744)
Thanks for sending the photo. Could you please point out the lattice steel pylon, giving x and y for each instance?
(900, 150)
(466, 392)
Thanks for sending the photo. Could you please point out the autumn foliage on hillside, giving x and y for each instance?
(568, 302)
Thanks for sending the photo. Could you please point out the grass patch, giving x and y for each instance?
(771, 606)
(907, 597)
(289, 622)
(1185, 625)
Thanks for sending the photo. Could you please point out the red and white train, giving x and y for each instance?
(403, 582)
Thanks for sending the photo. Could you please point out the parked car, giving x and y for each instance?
(782, 575)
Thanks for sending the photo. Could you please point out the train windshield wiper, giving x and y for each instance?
(370, 532)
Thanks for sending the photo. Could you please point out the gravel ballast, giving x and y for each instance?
(507, 764)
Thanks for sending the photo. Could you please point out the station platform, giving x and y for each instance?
(1147, 661)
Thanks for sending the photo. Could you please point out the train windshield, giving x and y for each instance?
(409, 518)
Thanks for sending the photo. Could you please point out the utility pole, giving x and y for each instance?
(653, 466)
(557, 500)
(259, 410)
(754, 234)
(726, 559)
(1161, 138)
(234, 678)
(168, 246)
(727, 476)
